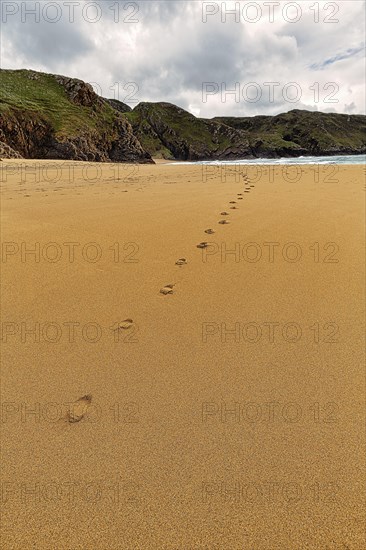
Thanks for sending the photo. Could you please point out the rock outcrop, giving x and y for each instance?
(56, 117)
(171, 132)
(168, 131)
(301, 132)
(7, 152)
(118, 105)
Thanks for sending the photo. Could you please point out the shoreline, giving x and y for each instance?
(303, 160)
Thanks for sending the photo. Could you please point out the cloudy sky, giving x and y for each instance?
(211, 58)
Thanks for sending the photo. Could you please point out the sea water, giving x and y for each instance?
(337, 159)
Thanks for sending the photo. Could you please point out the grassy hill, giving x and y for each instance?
(304, 132)
(168, 131)
(50, 116)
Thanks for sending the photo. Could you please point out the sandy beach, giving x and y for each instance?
(225, 414)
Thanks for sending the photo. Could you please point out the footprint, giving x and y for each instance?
(240, 194)
(123, 325)
(224, 213)
(252, 186)
(224, 222)
(167, 289)
(232, 202)
(79, 409)
(209, 231)
(246, 191)
(233, 207)
(240, 198)
(204, 244)
(181, 261)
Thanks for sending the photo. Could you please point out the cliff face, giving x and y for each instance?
(168, 131)
(55, 117)
(7, 152)
(303, 133)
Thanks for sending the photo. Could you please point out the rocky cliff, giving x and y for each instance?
(168, 131)
(300, 132)
(55, 117)
(171, 132)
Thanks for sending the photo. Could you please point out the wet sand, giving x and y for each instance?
(226, 414)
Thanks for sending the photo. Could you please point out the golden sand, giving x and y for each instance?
(225, 414)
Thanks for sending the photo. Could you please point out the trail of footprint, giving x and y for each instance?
(168, 289)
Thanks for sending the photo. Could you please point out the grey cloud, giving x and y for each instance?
(46, 43)
(170, 52)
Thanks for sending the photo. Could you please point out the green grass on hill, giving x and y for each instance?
(47, 98)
